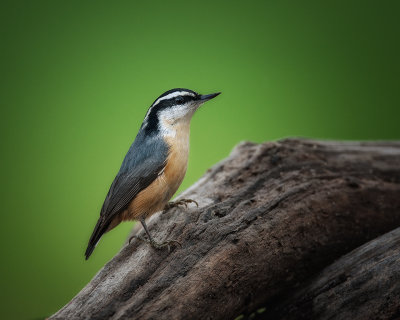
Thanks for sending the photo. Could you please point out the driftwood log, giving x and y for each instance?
(364, 284)
(272, 219)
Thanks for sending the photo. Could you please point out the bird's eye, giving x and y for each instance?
(179, 99)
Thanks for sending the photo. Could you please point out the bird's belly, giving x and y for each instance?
(148, 201)
(159, 192)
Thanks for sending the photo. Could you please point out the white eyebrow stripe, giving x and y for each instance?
(168, 96)
(173, 95)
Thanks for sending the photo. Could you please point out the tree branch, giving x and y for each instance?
(270, 217)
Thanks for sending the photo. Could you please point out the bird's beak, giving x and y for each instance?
(206, 97)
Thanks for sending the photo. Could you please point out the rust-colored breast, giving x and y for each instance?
(157, 194)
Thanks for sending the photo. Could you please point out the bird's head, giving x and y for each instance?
(173, 107)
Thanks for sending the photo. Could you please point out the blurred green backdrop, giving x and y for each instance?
(78, 77)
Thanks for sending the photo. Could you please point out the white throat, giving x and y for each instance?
(175, 119)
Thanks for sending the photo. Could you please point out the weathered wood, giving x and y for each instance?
(270, 217)
(364, 284)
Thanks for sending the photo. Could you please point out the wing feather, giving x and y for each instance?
(143, 163)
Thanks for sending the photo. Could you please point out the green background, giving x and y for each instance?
(78, 77)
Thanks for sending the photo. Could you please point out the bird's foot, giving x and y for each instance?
(168, 244)
(137, 237)
(157, 245)
(182, 202)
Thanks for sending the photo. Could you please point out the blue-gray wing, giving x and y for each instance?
(128, 184)
(143, 163)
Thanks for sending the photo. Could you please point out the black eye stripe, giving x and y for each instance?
(152, 118)
(173, 101)
(150, 124)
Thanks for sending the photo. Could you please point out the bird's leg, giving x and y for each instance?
(152, 242)
(182, 202)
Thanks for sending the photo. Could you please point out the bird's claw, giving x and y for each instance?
(137, 237)
(182, 202)
(168, 244)
(157, 245)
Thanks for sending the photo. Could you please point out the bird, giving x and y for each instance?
(153, 167)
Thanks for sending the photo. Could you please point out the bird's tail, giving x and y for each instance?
(100, 228)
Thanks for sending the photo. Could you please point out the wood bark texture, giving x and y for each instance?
(364, 284)
(272, 219)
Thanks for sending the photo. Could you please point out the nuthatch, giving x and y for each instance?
(154, 166)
